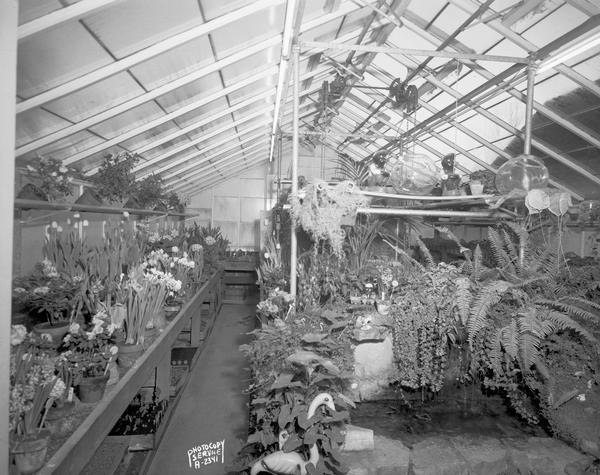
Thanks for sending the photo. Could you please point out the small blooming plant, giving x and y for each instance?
(386, 283)
(52, 177)
(278, 305)
(90, 348)
(32, 383)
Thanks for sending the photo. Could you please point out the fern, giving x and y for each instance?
(567, 308)
(426, 254)
(463, 298)
(509, 339)
(489, 295)
(503, 260)
(564, 322)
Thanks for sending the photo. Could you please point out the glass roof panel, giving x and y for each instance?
(128, 27)
(32, 9)
(44, 63)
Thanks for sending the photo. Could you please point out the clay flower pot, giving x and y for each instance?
(91, 389)
(128, 355)
(30, 452)
(57, 331)
(58, 420)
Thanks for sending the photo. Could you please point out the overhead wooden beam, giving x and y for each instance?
(247, 51)
(151, 95)
(71, 12)
(224, 141)
(144, 55)
(167, 117)
(201, 160)
(233, 165)
(517, 39)
(233, 174)
(242, 155)
(317, 45)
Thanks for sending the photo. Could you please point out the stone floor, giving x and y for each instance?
(469, 455)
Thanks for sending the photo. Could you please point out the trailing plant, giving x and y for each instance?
(425, 323)
(319, 209)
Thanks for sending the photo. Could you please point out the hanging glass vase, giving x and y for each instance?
(524, 173)
(413, 173)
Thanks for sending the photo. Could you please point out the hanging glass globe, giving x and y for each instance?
(524, 173)
(413, 173)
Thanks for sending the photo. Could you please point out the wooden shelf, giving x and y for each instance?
(74, 454)
(35, 204)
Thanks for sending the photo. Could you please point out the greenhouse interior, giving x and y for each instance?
(305, 237)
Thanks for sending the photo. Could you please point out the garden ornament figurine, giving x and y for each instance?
(292, 463)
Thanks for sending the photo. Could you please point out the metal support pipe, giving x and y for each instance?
(531, 69)
(295, 149)
(432, 213)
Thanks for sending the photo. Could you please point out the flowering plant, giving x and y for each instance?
(52, 177)
(279, 304)
(32, 383)
(147, 289)
(89, 349)
(46, 291)
(386, 283)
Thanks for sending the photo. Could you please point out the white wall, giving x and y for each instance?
(234, 205)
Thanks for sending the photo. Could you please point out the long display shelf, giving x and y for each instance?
(74, 454)
(35, 204)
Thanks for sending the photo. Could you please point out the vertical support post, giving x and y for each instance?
(8, 93)
(295, 146)
(531, 70)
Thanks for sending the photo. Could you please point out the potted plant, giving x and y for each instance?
(45, 292)
(32, 383)
(386, 285)
(60, 407)
(51, 180)
(115, 180)
(482, 181)
(150, 192)
(90, 349)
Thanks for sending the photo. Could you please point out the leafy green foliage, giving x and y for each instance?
(115, 179)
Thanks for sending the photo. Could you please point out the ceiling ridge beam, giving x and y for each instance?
(143, 55)
(167, 117)
(146, 97)
(55, 18)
